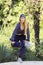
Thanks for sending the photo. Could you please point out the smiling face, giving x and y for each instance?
(22, 19)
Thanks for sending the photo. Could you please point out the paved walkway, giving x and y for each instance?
(23, 63)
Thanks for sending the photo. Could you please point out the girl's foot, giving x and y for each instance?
(20, 60)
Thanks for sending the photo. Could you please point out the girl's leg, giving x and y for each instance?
(22, 47)
(16, 44)
(22, 51)
(16, 40)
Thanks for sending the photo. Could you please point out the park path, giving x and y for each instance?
(23, 63)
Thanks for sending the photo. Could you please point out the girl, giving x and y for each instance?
(19, 34)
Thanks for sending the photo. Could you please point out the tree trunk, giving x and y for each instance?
(36, 16)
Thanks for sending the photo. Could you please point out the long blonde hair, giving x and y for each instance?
(25, 26)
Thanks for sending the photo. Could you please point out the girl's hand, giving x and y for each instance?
(24, 41)
(12, 42)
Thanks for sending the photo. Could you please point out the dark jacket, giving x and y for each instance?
(17, 30)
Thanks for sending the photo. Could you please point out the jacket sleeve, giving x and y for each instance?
(12, 38)
(28, 34)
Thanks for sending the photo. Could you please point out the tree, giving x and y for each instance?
(33, 7)
(36, 16)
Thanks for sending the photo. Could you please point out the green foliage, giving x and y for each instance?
(10, 11)
(41, 49)
(8, 53)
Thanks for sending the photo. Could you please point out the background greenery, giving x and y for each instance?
(10, 11)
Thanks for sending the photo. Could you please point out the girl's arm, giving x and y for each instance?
(14, 33)
(28, 34)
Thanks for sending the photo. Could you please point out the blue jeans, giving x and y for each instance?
(20, 44)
